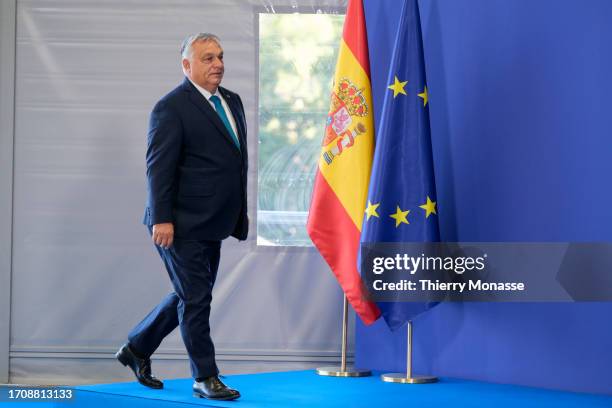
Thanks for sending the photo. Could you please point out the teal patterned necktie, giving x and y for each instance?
(221, 112)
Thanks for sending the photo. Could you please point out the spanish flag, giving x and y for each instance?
(341, 183)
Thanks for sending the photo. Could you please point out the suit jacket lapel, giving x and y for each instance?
(203, 105)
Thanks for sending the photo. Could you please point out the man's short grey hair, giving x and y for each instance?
(188, 42)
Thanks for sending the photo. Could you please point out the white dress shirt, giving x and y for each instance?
(228, 112)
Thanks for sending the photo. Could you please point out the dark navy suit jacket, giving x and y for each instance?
(197, 176)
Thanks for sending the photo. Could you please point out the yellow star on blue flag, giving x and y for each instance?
(429, 207)
(371, 210)
(403, 167)
(400, 216)
(398, 87)
(424, 95)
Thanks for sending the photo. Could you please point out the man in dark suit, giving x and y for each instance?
(197, 175)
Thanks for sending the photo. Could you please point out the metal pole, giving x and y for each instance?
(409, 352)
(343, 371)
(408, 378)
(344, 335)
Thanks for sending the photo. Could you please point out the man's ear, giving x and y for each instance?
(186, 66)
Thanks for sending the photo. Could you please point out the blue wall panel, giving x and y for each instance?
(522, 134)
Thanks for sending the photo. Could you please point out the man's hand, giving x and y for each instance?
(163, 234)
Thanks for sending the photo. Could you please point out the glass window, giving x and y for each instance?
(297, 59)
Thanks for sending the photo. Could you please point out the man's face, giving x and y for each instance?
(205, 64)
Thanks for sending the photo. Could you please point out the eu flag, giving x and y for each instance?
(402, 204)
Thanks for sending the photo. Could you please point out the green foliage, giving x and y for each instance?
(297, 58)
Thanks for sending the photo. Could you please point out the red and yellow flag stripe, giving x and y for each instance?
(341, 185)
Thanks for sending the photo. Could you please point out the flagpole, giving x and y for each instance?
(407, 378)
(344, 334)
(343, 371)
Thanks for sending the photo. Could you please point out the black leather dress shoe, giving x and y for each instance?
(212, 388)
(140, 366)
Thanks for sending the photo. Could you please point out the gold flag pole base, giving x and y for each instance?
(401, 378)
(343, 370)
(407, 377)
(336, 371)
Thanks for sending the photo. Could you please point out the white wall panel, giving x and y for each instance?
(84, 272)
(7, 110)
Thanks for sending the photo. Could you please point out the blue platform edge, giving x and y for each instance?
(307, 389)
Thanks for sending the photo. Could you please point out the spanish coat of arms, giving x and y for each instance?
(347, 105)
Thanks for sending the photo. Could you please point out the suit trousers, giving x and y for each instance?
(192, 266)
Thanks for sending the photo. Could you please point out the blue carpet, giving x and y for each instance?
(306, 389)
